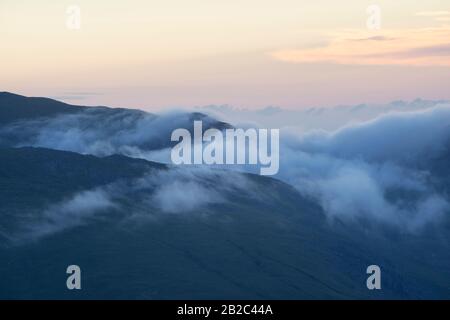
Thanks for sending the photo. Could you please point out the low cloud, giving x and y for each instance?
(380, 170)
(188, 191)
(68, 213)
(387, 138)
(100, 131)
(178, 196)
(307, 119)
(193, 188)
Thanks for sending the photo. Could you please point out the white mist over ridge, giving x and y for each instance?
(100, 131)
(362, 162)
(157, 193)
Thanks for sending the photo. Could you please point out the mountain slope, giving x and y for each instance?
(262, 241)
(140, 229)
(43, 122)
(14, 107)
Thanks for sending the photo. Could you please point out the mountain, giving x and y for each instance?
(75, 189)
(43, 122)
(14, 107)
(264, 241)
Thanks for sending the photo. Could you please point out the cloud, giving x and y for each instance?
(177, 196)
(101, 131)
(373, 164)
(381, 170)
(364, 163)
(440, 16)
(388, 137)
(325, 118)
(68, 213)
(411, 47)
(187, 191)
(433, 13)
(375, 38)
(69, 96)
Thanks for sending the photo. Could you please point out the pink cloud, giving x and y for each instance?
(414, 47)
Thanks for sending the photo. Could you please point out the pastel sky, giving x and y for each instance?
(157, 54)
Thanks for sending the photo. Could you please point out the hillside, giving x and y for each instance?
(266, 241)
(43, 122)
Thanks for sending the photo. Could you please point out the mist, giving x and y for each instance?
(157, 194)
(380, 170)
(367, 163)
(101, 131)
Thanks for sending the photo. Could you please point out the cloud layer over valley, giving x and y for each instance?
(383, 169)
(360, 163)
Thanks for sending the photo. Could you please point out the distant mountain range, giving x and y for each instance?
(316, 118)
(144, 230)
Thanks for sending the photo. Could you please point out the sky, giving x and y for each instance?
(160, 54)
